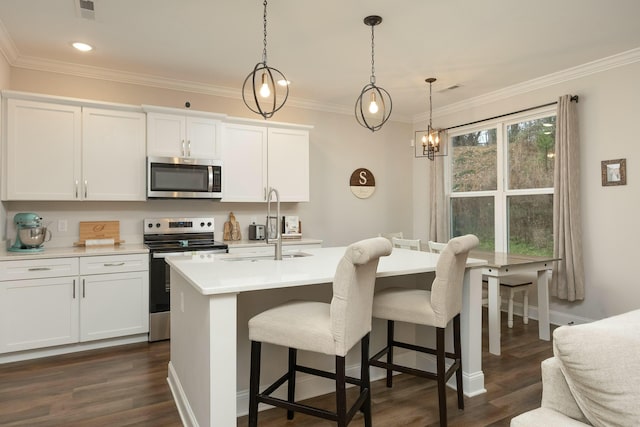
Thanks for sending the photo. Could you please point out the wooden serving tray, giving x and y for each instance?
(98, 230)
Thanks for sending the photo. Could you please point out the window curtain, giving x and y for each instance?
(568, 279)
(438, 208)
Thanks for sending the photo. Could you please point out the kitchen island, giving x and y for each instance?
(206, 319)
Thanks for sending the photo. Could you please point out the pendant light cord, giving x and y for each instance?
(430, 109)
(264, 19)
(373, 66)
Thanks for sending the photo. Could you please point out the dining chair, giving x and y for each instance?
(438, 307)
(436, 247)
(389, 236)
(509, 285)
(412, 244)
(320, 327)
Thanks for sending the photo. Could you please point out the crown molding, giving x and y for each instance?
(594, 67)
(10, 52)
(78, 70)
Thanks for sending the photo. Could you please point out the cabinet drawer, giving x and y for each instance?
(114, 264)
(38, 268)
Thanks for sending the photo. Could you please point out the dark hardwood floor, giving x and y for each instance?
(126, 386)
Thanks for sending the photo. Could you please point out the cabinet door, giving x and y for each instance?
(166, 135)
(244, 163)
(113, 155)
(202, 138)
(114, 305)
(42, 151)
(38, 313)
(288, 161)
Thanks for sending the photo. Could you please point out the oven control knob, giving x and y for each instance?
(209, 224)
(202, 224)
(157, 225)
(150, 225)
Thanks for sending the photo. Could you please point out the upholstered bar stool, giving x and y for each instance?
(319, 327)
(437, 308)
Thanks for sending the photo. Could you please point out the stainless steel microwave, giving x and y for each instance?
(183, 178)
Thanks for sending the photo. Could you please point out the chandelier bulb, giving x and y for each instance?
(373, 105)
(264, 88)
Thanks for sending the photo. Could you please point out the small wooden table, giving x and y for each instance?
(502, 264)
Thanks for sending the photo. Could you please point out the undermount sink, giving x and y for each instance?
(265, 257)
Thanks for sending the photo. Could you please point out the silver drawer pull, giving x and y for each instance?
(113, 264)
(39, 268)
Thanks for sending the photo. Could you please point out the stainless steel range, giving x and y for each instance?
(171, 237)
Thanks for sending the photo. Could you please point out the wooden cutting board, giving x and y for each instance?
(98, 230)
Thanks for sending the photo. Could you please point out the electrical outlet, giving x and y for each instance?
(62, 225)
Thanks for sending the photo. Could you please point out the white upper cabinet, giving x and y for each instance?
(256, 157)
(288, 162)
(182, 133)
(42, 151)
(244, 163)
(113, 155)
(57, 149)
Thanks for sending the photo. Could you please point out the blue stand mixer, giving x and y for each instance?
(30, 234)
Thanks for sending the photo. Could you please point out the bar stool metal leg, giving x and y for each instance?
(457, 350)
(254, 383)
(390, 327)
(291, 382)
(365, 379)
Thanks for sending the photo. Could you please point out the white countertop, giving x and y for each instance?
(74, 251)
(212, 274)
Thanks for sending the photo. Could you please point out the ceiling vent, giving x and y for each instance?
(85, 9)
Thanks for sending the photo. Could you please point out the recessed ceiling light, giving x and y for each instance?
(83, 47)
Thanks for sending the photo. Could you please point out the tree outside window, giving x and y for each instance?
(501, 183)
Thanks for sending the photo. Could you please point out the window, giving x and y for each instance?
(501, 183)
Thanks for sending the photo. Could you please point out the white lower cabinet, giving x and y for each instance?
(38, 313)
(113, 305)
(94, 297)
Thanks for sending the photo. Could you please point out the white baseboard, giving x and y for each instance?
(184, 409)
(555, 317)
(71, 348)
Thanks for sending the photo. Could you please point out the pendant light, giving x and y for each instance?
(373, 106)
(431, 139)
(266, 89)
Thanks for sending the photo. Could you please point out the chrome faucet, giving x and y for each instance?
(278, 242)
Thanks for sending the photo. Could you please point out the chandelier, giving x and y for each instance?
(378, 110)
(266, 89)
(431, 139)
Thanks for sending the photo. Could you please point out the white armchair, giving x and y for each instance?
(593, 377)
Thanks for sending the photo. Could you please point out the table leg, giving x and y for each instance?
(543, 305)
(471, 333)
(494, 315)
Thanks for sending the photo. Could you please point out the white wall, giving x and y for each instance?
(338, 146)
(608, 115)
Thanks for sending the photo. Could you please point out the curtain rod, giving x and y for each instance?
(574, 98)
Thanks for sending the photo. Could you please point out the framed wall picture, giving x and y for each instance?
(614, 172)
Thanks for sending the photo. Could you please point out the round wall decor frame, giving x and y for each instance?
(362, 183)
